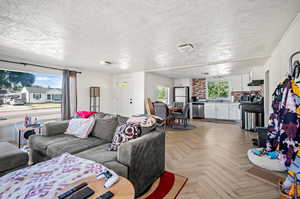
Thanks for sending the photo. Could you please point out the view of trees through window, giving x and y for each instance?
(163, 94)
(217, 90)
(22, 93)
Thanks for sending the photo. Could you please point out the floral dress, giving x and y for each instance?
(283, 126)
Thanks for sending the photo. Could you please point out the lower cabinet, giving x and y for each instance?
(209, 110)
(222, 111)
(234, 112)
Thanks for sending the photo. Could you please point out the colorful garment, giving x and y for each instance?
(283, 134)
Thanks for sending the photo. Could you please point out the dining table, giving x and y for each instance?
(171, 110)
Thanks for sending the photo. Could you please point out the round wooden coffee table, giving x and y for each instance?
(123, 189)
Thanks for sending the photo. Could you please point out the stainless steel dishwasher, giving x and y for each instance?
(198, 110)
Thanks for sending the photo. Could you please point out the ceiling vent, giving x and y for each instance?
(186, 47)
(105, 62)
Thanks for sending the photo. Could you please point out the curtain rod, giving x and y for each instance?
(36, 65)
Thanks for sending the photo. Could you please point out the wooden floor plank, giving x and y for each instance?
(214, 158)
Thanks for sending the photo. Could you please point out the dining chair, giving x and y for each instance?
(161, 110)
(149, 107)
(184, 116)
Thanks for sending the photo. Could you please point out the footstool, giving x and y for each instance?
(11, 158)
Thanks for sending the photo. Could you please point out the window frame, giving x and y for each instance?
(218, 81)
(34, 96)
(165, 100)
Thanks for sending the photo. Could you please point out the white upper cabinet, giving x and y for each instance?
(245, 81)
(235, 82)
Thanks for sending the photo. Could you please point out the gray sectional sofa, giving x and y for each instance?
(142, 160)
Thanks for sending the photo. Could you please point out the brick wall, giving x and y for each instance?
(199, 88)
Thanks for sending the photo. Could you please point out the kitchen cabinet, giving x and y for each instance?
(236, 82)
(209, 110)
(222, 111)
(245, 82)
(234, 111)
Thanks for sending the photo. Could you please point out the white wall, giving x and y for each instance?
(153, 81)
(87, 79)
(278, 63)
(257, 73)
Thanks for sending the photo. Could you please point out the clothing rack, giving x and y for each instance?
(292, 64)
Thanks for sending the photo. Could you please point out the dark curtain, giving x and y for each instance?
(73, 93)
(65, 103)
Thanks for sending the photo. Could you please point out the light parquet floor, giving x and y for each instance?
(213, 157)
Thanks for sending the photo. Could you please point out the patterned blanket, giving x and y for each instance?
(47, 179)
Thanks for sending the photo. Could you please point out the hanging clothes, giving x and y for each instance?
(283, 126)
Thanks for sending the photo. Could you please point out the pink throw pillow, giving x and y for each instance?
(85, 114)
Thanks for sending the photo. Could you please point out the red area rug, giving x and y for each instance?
(168, 186)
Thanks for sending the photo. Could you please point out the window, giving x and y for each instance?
(163, 94)
(48, 97)
(56, 97)
(31, 90)
(217, 89)
(37, 96)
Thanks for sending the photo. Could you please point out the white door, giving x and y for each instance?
(125, 97)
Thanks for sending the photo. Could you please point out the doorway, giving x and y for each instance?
(125, 105)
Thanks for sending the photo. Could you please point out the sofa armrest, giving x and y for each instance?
(55, 128)
(145, 158)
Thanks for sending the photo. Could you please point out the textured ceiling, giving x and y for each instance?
(136, 35)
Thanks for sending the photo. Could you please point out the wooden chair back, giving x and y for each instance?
(149, 107)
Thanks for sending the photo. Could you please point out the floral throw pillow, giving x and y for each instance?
(123, 134)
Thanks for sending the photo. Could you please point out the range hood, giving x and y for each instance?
(256, 82)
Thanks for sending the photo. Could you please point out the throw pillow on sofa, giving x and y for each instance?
(80, 127)
(85, 114)
(105, 128)
(123, 134)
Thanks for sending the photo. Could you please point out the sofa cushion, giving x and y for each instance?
(146, 130)
(122, 120)
(73, 146)
(99, 154)
(117, 167)
(99, 115)
(80, 127)
(41, 143)
(11, 157)
(105, 128)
